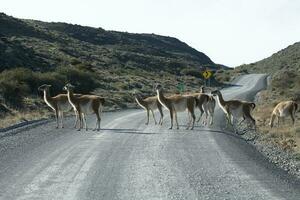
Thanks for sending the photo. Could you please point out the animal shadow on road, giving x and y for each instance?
(230, 85)
(128, 131)
(231, 134)
(199, 128)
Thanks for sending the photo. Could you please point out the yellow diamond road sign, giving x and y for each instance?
(207, 74)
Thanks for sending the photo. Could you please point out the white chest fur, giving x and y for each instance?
(236, 112)
(160, 101)
(139, 103)
(47, 102)
(221, 106)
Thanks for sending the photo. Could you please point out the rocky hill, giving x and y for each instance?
(43, 46)
(284, 68)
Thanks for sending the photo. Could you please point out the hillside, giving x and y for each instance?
(284, 68)
(286, 59)
(109, 63)
(43, 46)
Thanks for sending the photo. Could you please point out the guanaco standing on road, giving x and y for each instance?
(85, 104)
(209, 107)
(177, 103)
(59, 104)
(235, 109)
(150, 104)
(206, 104)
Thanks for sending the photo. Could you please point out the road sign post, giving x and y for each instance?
(180, 87)
(207, 75)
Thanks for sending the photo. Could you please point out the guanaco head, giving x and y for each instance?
(202, 89)
(44, 87)
(136, 95)
(69, 87)
(216, 92)
(158, 87)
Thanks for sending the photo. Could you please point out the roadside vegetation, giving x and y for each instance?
(20, 99)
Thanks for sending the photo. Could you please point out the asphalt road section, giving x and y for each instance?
(129, 160)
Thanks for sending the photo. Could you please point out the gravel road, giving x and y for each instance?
(129, 160)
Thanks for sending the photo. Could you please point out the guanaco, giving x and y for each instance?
(150, 104)
(85, 104)
(59, 104)
(177, 103)
(235, 108)
(282, 110)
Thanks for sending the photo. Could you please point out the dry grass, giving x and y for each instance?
(17, 117)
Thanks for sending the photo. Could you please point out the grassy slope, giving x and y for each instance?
(118, 63)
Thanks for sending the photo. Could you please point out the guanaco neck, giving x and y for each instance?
(220, 99)
(71, 98)
(162, 99)
(140, 101)
(49, 100)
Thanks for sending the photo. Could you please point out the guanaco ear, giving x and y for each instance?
(65, 87)
(42, 87)
(68, 85)
(215, 92)
(158, 87)
(133, 94)
(202, 89)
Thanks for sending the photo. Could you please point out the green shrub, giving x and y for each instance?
(18, 83)
(84, 81)
(192, 72)
(13, 92)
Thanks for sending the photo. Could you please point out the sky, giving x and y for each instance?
(230, 32)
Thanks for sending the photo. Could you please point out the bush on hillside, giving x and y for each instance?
(13, 92)
(18, 83)
(192, 72)
(84, 81)
(283, 79)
